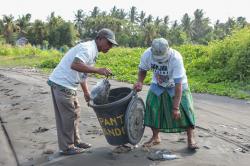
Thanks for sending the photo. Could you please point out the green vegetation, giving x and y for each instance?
(222, 67)
(133, 28)
(28, 56)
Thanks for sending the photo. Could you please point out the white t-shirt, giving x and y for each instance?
(64, 75)
(164, 74)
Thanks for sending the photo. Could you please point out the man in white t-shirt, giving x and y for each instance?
(169, 106)
(64, 80)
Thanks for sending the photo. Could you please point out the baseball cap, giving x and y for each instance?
(108, 34)
(160, 49)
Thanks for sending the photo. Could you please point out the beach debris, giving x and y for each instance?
(26, 118)
(206, 147)
(15, 104)
(48, 151)
(204, 135)
(162, 154)
(100, 92)
(224, 126)
(242, 150)
(44, 92)
(94, 132)
(169, 156)
(40, 130)
(181, 140)
(122, 149)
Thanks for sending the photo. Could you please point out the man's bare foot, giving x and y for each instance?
(152, 142)
(193, 146)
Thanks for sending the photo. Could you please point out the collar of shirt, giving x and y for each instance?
(95, 46)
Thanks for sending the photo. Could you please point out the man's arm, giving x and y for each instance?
(141, 76)
(85, 90)
(177, 100)
(80, 66)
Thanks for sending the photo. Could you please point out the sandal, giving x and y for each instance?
(151, 142)
(83, 145)
(193, 146)
(72, 151)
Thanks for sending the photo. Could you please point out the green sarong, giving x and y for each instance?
(159, 115)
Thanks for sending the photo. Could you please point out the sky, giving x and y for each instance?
(175, 9)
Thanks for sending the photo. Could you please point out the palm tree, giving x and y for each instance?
(175, 24)
(79, 20)
(133, 14)
(54, 21)
(158, 20)
(95, 12)
(241, 22)
(122, 14)
(23, 23)
(175, 34)
(9, 28)
(201, 31)
(166, 20)
(1, 27)
(149, 18)
(142, 18)
(230, 25)
(114, 11)
(186, 25)
(118, 13)
(219, 30)
(163, 28)
(38, 33)
(79, 17)
(150, 33)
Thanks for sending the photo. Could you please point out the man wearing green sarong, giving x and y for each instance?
(169, 105)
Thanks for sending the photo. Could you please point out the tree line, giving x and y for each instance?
(133, 28)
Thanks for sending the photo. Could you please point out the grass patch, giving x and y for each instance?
(204, 70)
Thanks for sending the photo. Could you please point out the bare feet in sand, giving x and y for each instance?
(152, 142)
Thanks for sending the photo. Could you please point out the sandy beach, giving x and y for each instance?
(28, 129)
